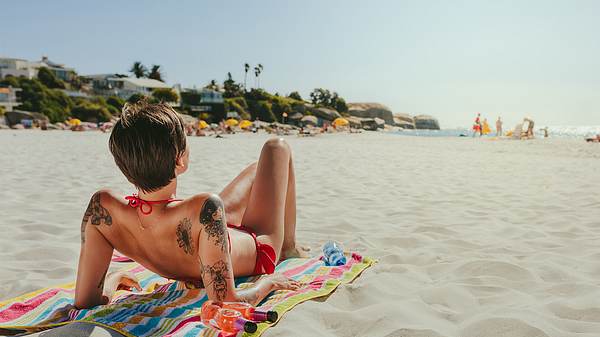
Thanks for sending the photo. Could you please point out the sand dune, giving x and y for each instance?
(474, 237)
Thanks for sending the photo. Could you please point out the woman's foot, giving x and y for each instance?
(294, 252)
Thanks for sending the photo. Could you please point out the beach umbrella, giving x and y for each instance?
(231, 122)
(340, 122)
(245, 124)
(202, 124)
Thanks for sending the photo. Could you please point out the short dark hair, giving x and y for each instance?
(146, 142)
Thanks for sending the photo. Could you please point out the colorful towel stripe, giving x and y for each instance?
(165, 307)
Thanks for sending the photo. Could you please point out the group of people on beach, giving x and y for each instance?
(482, 128)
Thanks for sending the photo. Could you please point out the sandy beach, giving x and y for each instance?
(474, 237)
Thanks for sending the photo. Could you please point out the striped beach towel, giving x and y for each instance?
(166, 307)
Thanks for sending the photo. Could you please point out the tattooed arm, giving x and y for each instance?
(95, 254)
(213, 251)
(215, 260)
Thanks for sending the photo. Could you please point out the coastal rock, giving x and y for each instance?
(372, 124)
(404, 120)
(426, 122)
(312, 120)
(16, 116)
(355, 122)
(325, 113)
(371, 110)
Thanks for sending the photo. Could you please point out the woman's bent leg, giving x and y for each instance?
(236, 194)
(267, 206)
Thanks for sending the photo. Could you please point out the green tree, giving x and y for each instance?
(339, 104)
(50, 80)
(257, 95)
(279, 107)
(295, 95)
(213, 85)
(323, 97)
(156, 73)
(237, 104)
(138, 69)
(116, 102)
(135, 98)
(262, 110)
(36, 97)
(246, 68)
(165, 95)
(231, 88)
(257, 71)
(91, 112)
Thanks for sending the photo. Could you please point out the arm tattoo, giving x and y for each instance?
(184, 236)
(216, 276)
(97, 213)
(212, 217)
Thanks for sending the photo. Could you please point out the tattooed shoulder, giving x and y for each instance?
(212, 219)
(96, 214)
(184, 236)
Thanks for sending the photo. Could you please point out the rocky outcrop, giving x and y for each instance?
(426, 122)
(371, 110)
(325, 113)
(355, 122)
(404, 121)
(372, 124)
(312, 120)
(16, 116)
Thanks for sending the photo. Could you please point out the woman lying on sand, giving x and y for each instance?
(206, 239)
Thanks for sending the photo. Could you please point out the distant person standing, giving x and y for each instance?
(498, 127)
(477, 126)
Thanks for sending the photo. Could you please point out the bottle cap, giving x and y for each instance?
(250, 327)
(272, 316)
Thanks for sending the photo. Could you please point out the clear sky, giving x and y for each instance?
(449, 59)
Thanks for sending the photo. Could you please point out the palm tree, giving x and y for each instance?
(138, 69)
(156, 73)
(257, 71)
(213, 85)
(260, 69)
(246, 68)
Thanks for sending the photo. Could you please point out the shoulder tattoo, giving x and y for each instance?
(212, 218)
(96, 214)
(184, 236)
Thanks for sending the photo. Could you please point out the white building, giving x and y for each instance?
(23, 68)
(17, 68)
(122, 86)
(8, 98)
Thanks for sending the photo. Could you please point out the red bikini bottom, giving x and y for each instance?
(265, 254)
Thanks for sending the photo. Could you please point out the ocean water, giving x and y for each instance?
(553, 131)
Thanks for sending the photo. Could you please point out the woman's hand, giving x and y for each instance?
(265, 286)
(281, 282)
(120, 280)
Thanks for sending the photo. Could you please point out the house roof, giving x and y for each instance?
(12, 59)
(145, 82)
